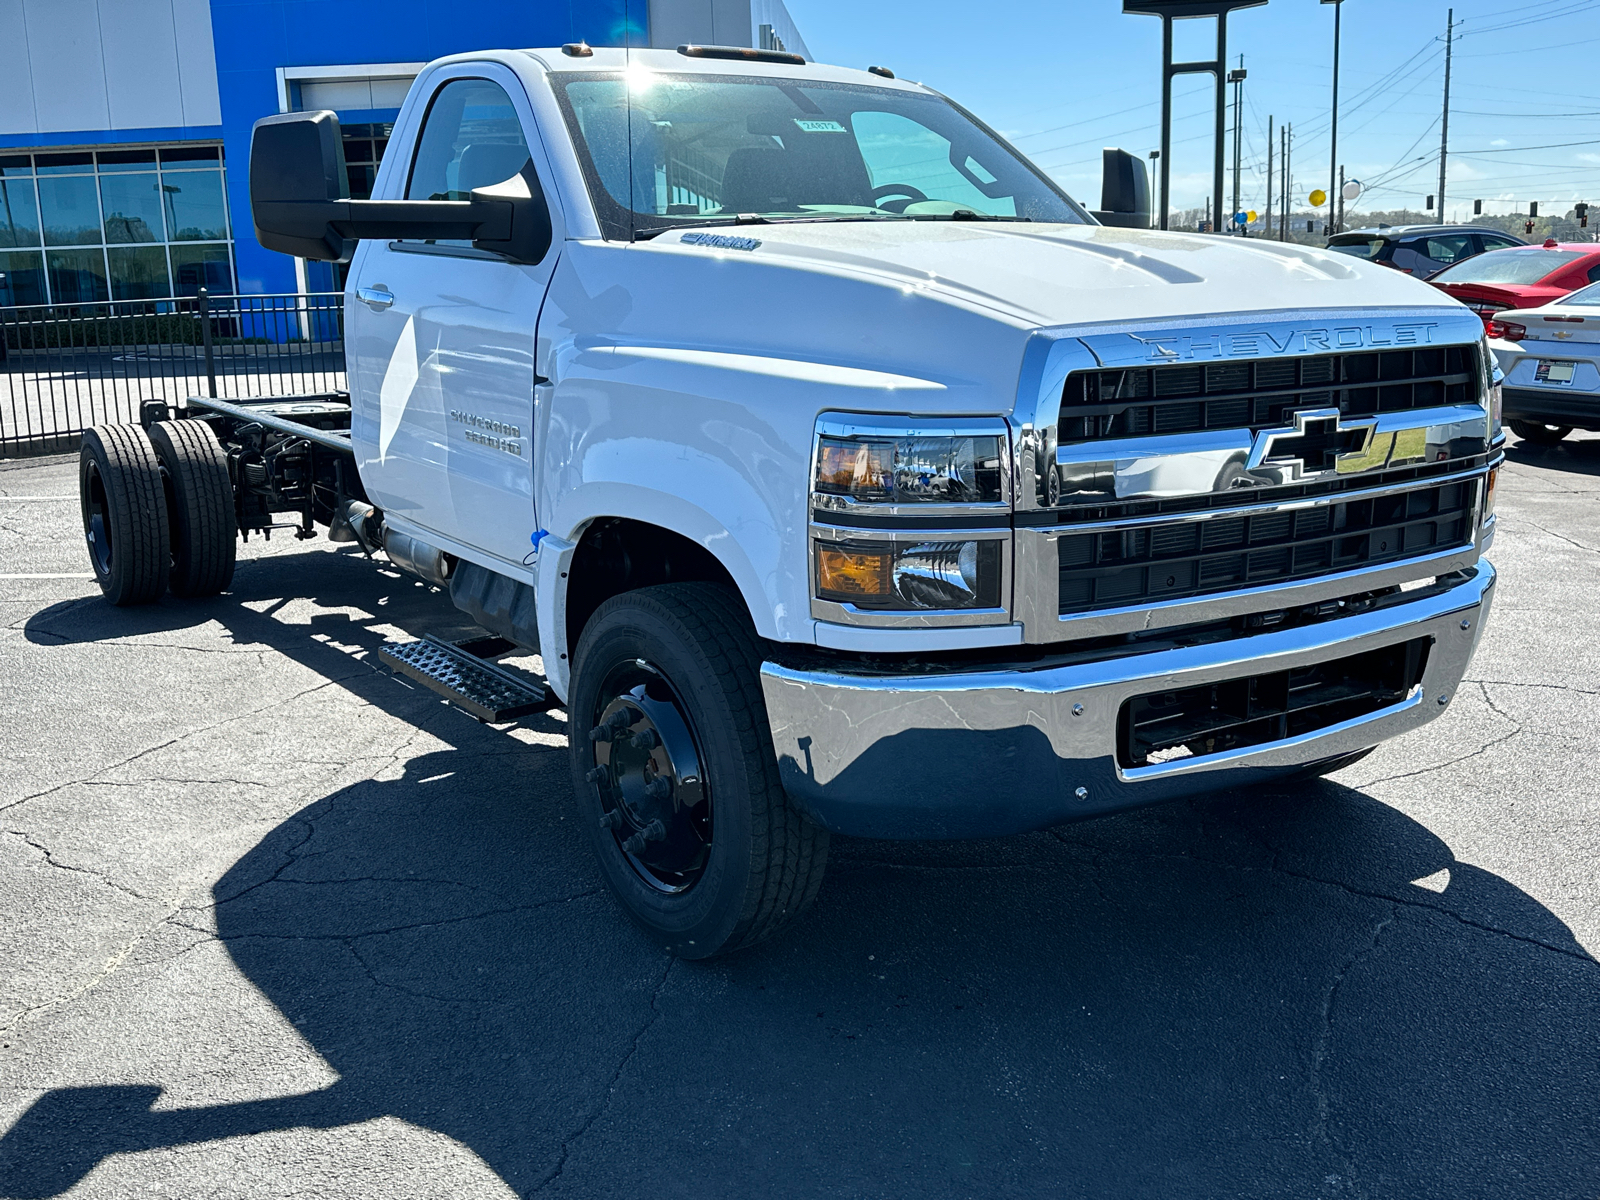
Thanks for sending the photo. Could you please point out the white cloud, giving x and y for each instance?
(1499, 142)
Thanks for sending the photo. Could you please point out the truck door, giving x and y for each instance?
(443, 335)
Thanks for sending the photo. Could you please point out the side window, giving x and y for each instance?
(1594, 273)
(1494, 243)
(1449, 249)
(471, 138)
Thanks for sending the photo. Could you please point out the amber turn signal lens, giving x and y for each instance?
(1488, 493)
(847, 574)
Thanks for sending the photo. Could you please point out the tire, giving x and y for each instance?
(1538, 433)
(202, 527)
(1329, 765)
(124, 514)
(665, 681)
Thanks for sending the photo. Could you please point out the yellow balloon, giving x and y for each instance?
(1251, 215)
(1318, 198)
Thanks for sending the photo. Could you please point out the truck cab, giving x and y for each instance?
(850, 477)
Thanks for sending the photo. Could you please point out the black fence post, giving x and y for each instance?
(205, 338)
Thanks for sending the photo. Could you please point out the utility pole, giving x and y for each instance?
(1341, 200)
(1333, 149)
(1288, 144)
(1444, 134)
(1266, 224)
(1236, 77)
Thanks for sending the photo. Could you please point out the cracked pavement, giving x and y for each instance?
(280, 925)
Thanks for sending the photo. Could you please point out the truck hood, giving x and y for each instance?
(1045, 275)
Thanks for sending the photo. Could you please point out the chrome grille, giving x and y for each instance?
(1166, 560)
(1258, 394)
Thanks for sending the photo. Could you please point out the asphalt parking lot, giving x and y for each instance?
(277, 925)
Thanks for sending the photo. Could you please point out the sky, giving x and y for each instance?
(1062, 80)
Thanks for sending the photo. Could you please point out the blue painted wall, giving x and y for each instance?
(255, 37)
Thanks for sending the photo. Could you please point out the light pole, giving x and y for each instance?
(1236, 77)
(1333, 150)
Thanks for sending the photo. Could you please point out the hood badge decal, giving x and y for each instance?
(1265, 343)
(720, 241)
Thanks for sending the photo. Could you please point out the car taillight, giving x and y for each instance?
(1508, 331)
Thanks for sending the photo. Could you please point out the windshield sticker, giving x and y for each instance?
(820, 126)
(720, 241)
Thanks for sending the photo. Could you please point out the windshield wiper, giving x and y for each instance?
(640, 235)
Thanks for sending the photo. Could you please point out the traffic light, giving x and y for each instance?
(1533, 208)
(1477, 208)
(1581, 211)
(1429, 204)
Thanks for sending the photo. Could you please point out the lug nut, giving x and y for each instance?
(610, 820)
(645, 739)
(658, 788)
(599, 775)
(652, 832)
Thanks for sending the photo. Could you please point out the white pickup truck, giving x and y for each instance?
(846, 474)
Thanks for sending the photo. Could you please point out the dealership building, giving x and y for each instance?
(125, 124)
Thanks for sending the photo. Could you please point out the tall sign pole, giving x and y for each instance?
(1333, 149)
(1178, 10)
(1444, 134)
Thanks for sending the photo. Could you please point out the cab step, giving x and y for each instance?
(462, 674)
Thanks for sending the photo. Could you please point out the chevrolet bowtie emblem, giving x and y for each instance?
(1563, 334)
(1319, 445)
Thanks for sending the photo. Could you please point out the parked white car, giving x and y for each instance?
(1551, 360)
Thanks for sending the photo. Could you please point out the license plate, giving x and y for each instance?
(1553, 372)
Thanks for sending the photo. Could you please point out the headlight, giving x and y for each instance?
(910, 470)
(906, 574)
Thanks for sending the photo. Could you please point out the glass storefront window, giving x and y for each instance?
(196, 267)
(138, 272)
(195, 210)
(117, 224)
(21, 277)
(19, 213)
(126, 160)
(76, 276)
(71, 209)
(132, 205)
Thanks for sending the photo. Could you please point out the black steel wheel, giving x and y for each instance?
(202, 527)
(124, 514)
(675, 776)
(1539, 433)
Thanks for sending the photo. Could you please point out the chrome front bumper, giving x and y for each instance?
(1001, 751)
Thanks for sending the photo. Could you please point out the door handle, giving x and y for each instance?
(376, 298)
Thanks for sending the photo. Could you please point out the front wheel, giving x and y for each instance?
(675, 776)
(1539, 433)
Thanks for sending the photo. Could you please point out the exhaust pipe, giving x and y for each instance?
(418, 557)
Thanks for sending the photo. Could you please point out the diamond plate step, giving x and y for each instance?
(488, 692)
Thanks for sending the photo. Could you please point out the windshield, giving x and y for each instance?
(696, 150)
(1528, 265)
(1585, 296)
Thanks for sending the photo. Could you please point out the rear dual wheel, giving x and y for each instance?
(157, 511)
(675, 776)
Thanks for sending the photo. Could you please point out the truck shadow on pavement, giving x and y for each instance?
(1247, 995)
(1578, 454)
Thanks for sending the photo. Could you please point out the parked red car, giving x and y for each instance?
(1521, 277)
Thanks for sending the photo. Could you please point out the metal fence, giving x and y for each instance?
(64, 368)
